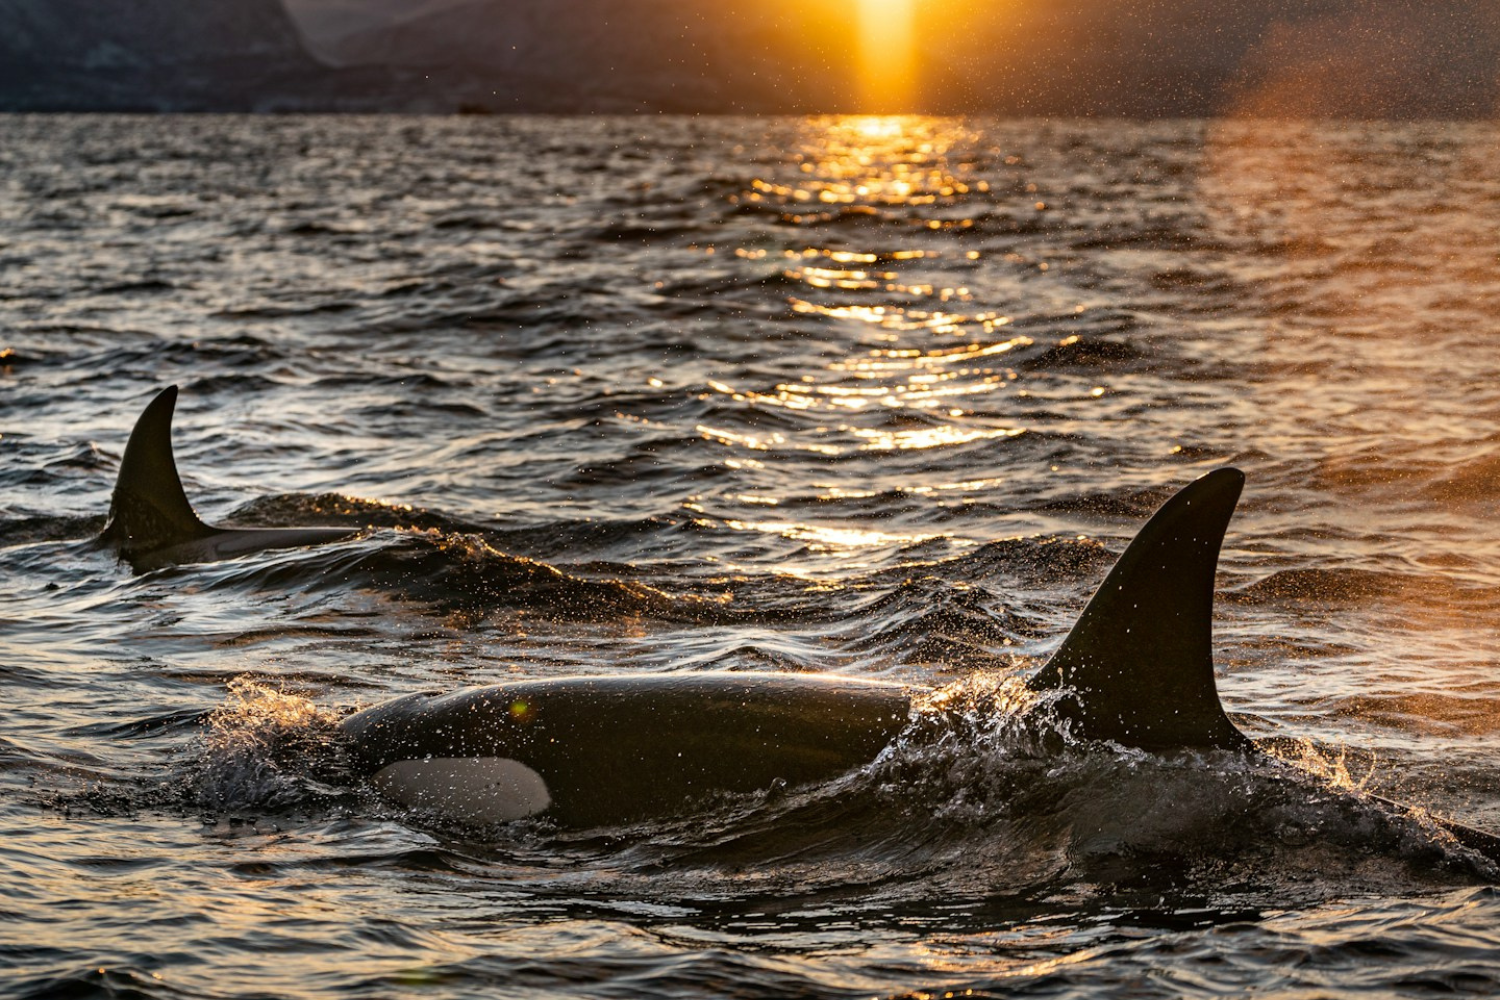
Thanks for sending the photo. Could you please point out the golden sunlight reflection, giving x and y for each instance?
(878, 126)
(887, 54)
(1307, 756)
(930, 437)
(880, 213)
(854, 548)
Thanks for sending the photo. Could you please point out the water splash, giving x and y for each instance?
(266, 748)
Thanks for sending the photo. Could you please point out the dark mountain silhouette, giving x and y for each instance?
(148, 54)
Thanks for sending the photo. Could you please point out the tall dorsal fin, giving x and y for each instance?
(1140, 657)
(149, 509)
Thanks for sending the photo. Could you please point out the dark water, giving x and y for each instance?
(880, 397)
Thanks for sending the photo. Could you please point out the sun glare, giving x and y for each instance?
(887, 55)
(877, 127)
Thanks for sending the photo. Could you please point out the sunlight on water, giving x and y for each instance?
(256, 711)
(1324, 763)
(837, 542)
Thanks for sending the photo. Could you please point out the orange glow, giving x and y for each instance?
(887, 55)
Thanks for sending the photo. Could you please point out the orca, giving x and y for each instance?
(151, 524)
(1136, 670)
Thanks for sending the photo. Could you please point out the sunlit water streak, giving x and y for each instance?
(879, 396)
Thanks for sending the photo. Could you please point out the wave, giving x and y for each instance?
(460, 575)
(1348, 585)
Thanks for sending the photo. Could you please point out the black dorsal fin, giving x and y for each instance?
(149, 509)
(1140, 658)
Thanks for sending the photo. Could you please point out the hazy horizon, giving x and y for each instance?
(1270, 58)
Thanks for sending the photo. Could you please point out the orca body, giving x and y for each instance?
(595, 751)
(151, 524)
(1136, 670)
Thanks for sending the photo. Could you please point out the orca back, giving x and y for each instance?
(593, 751)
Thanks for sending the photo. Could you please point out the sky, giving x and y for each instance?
(1143, 58)
(1400, 58)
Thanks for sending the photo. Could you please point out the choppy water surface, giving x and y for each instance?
(880, 397)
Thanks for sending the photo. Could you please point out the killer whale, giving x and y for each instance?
(151, 523)
(1135, 670)
(596, 751)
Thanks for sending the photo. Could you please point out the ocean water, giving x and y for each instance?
(881, 397)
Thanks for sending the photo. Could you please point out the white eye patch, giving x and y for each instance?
(468, 789)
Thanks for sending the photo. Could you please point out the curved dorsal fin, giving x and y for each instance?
(149, 509)
(1140, 657)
